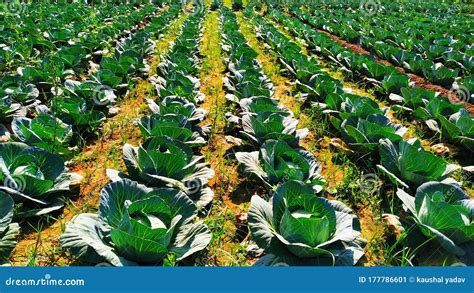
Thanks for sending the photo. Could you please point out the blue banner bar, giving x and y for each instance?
(223, 280)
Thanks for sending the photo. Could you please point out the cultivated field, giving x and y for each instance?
(237, 133)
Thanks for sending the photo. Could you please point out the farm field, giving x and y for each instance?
(237, 133)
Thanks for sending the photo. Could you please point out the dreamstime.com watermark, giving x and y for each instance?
(44, 282)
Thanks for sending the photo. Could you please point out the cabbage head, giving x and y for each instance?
(299, 228)
(137, 225)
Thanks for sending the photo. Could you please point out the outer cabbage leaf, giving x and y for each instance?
(408, 165)
(444, 212)
(8, 231)
(36, 179)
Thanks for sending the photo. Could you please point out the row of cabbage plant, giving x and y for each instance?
(31, 83)
(297, 225)
(149, 216)
(79, 104)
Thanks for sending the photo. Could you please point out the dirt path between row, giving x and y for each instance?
(231, 200)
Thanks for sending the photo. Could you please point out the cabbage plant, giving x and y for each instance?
(262, 105)
(36, 179)
(394, 82)
(180, 106)
(175, 126)
(44, 77)
(441, 75)
(459, 128)
(299, 228)
(277, 162)
(319, 86)
(408, 165)
(8, 231)
(441, 106)
(116, 72)
(44, 131)
(364, 134)
(413, 98)
(349, 105)
(444, 212)
(75, 111)
(9, 109)
(94, 93)
(247, 81)
(166, 162)
(137, 225)
(179, 84)
(375, 70)
(16, 90)
(260, 127)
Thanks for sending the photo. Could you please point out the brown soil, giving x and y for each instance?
(372, 229)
